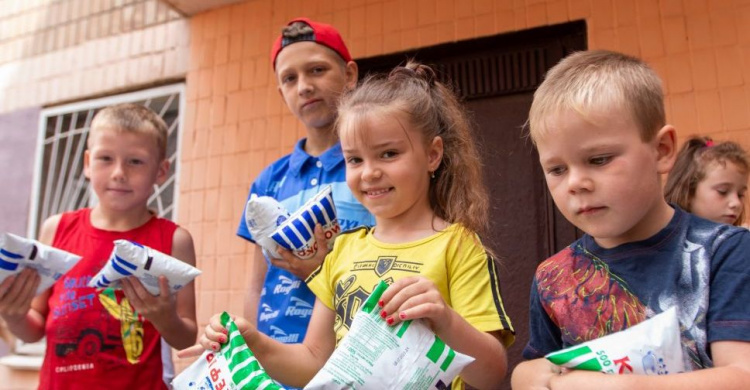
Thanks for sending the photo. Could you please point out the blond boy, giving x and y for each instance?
(599, 125)
(105, 338)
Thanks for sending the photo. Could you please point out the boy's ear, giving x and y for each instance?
(666, 148)
(435, 154)
(87, 164)
(352, 74)
(163, 172)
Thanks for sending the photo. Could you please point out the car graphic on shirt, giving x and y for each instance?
(100, 334)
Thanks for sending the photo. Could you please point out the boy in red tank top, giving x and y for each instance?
(106, 338)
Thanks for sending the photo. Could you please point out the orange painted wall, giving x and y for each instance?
(236, 122)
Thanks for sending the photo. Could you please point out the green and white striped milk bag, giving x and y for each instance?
(375, 355)
(650, 348)
(234, 367)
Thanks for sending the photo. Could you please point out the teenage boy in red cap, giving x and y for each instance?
(313, 68)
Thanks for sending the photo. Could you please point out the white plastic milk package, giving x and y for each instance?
(650, 348)
(17, 253)
(234, 367)
(297, 232)
(374, 355)
(263, 215)
(130, 258)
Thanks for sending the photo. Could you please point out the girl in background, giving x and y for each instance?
(710, 180)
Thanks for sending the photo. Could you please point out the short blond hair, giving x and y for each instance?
(133, 118)
(590, 80)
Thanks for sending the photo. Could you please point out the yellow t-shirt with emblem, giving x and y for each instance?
(453, 259)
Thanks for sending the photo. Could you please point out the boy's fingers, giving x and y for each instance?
(320, 238)
(6, 285)
(195, 350)
(164, 286)
(137, 288)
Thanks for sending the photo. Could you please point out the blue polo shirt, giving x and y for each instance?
(286, 303)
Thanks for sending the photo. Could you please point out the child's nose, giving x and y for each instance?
(735, 202)
(304, 86)
(119, 172)
(579, 181)
(371, 172)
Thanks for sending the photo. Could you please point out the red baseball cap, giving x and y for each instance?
(323, 34)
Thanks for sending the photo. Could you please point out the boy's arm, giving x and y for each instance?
(181, 331)
(731, 371)
(256, 276)
(172, 316)
(27, 320)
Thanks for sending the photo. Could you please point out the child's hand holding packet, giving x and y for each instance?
(297, 233)
(233, 367)
(271, 225)
(263, 215)
(374, 355)
(129, 258)
(17, 253)
(650, 348)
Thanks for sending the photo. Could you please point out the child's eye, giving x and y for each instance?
(287, 79)
(353, 160)
(136, 161)
(104, 158)
(600, 160)
(389, 154)
(318, 70)
(556, 171)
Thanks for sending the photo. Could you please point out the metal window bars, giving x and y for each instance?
(60, 185)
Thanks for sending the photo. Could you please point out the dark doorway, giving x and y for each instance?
(496, 77)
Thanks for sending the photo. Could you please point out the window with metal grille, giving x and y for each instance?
(60, 184)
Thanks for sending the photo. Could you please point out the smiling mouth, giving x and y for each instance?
(378, 192)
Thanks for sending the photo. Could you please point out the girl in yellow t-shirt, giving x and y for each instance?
(411, 161)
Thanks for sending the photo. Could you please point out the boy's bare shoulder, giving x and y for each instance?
(49, 228)
(182, 245)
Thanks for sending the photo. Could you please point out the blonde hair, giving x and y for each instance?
(599, 79)
(690, 169)
(133, 118)
(457, 193)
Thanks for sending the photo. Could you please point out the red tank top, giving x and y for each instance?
(95, 340)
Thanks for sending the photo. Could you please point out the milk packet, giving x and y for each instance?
(263, 215)
(233, 367)
(130, 258)
(649, 348)
(17, 253)
(297, 232)
(374, 355)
